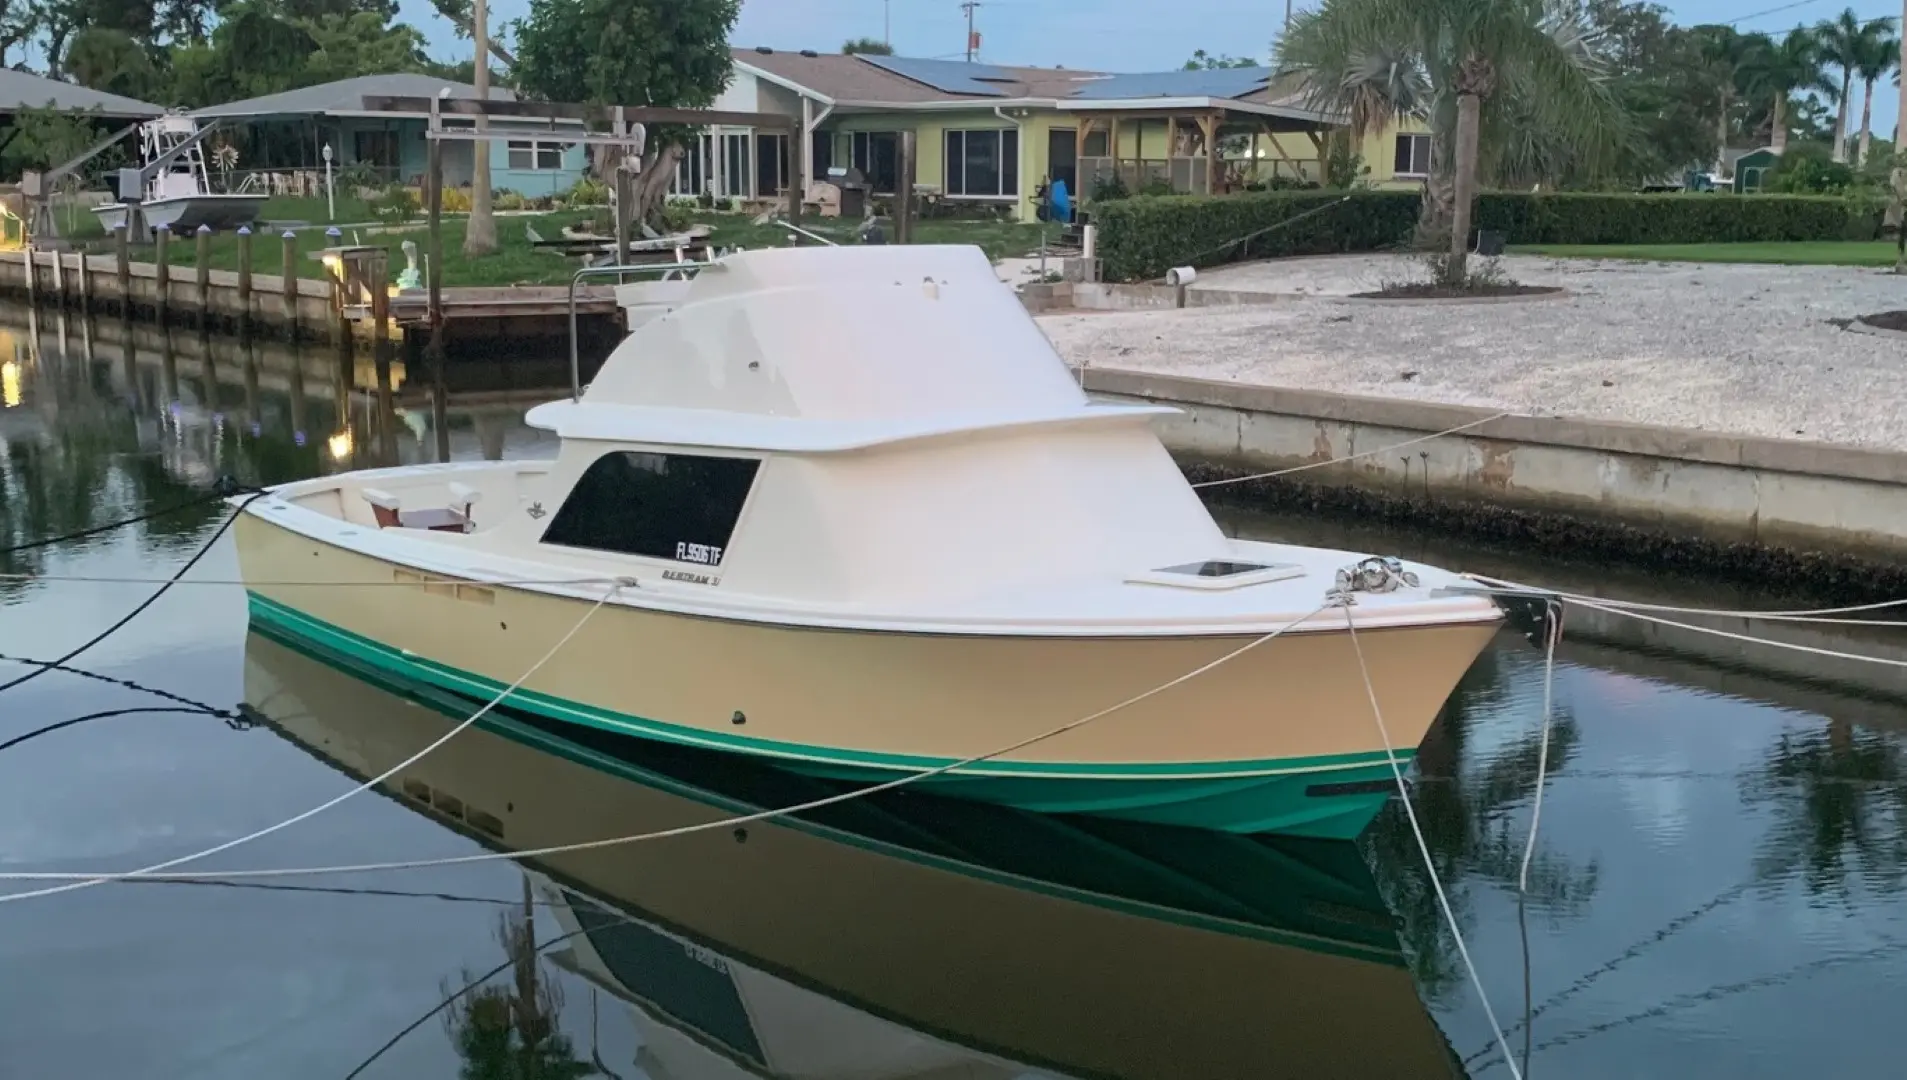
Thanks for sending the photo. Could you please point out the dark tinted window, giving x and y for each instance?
(670, 506)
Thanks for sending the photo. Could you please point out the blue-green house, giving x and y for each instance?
(281, 139)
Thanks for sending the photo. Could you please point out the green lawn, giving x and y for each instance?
(517, 263)
(1808, 253)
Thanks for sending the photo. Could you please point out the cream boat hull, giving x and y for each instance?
(1090, 950)
(1280, 739)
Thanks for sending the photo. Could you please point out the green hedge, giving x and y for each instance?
(1142, 238)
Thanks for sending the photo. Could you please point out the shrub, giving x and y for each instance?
(1694, 218)
(1143, 238)
(395, 204)
(588, 191)
(456, 200)
(508, 200)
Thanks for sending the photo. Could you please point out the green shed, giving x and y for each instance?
(1752, 169)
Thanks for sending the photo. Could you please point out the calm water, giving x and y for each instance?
(1718, 889)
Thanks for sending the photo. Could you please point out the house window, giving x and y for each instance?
(664, 506)
(878, 155)
(378, 148)
(983, 164)
(771, 164)
(1096, 144)
(823, 142)
(735, 165)
(1413, 155)
(536, 156)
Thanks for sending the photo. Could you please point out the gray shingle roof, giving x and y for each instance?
(20, 90)
(346, 96)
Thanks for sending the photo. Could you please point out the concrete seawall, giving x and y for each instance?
(1761, 509)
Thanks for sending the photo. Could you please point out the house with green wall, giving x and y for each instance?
(992, 136)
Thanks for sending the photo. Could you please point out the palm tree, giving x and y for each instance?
(1776, 69)
(1843, 43)
(1725, 53)
(1351, 57)
(1879, 56)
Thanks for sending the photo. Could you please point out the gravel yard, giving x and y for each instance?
(1753, 350)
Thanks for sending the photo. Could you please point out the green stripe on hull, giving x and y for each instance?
(1331, 797)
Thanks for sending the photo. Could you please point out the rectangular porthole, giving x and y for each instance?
(449, 804)
(418, 790)
(477, 594)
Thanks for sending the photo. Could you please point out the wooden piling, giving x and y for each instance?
(244, 280)
(32, 272)
(904, 198)
(162, 270)
(202, 257)
(291, 283)
(434, 349)
(59, 279)
(85, 284)
(125, 272)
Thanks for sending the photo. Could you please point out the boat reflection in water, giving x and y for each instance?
(900, 934)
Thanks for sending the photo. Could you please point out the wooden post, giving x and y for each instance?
(202, 258)
(245, 280)
(85, 284)
(162, 267)
(434, 348)
(291, 283)
(31, 273)
(59, 278)
(625, 191)
(125, 271)
(797, 178)
(1208, 127)
(904, 198)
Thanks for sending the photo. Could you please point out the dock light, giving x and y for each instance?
(1181, 275)
(10, 383)
(340, 445)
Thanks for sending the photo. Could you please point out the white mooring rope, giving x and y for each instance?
(152, 873)
(1423, 846)
(86, 881)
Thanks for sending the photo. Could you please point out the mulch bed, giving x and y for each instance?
(1428, 291)
(1887, 320)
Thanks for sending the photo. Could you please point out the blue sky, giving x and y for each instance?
(1115, 35)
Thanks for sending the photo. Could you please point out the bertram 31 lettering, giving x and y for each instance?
(706, 554)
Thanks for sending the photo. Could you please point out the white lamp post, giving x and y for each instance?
(330, 195)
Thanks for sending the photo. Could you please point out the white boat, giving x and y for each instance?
(179, 196)
(868, 526)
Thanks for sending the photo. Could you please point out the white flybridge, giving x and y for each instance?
(178, 192)
(852, 514)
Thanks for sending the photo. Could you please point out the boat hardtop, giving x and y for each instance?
(875, 437)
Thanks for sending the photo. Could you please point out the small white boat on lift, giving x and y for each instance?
(868, 526)
(179, 194)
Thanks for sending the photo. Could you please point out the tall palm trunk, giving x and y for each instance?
(1840, 117)
(1897, 178)
(1778, 134)
(1469, 120)
(1867, 125)
(480, 232)
(1721, 133)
